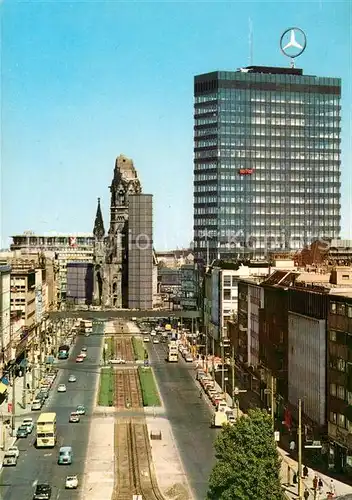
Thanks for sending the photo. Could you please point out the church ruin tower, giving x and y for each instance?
(125, 182)
(98, 257)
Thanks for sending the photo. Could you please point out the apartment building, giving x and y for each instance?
(5, 315)
(63, 247)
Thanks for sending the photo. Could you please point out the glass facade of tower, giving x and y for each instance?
(266, 161)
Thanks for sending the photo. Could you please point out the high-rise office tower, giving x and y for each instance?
(266, 161)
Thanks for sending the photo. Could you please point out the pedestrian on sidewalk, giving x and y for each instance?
(306, 494)
(332, 487)
(292, 446)
(305, 471)
(320, 485)
(315, 483)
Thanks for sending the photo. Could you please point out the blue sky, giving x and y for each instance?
(82, 82)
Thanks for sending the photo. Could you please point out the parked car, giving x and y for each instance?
(27, 422)
(22, 432)
(15, 450)
(71, 482)
(146, 339)
(36, 405)
(10, 459)
(61, 388)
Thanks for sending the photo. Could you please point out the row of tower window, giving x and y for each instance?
(283, 154)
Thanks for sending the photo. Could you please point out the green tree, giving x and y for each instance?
(248, 465)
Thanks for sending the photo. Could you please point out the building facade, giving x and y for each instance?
(190, 289)
(266, 161)
(339, 383)
(5, 315)
(61, 247)
(140, 252)
(79, 283)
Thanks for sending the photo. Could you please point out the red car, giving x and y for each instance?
(79, 359)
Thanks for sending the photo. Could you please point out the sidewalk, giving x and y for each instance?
(170, 474)
(6, 439)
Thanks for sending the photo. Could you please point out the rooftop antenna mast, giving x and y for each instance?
(250, 41)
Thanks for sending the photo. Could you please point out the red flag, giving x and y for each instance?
(288, 418)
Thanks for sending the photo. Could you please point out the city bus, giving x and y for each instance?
(46, 430)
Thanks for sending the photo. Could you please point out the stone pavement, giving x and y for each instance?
(98, 480)
(170, 474)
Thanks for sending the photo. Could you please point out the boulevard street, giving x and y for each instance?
(40, 465)
(189, 416)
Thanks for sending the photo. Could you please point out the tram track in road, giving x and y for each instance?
(127, 389)
(133, 462)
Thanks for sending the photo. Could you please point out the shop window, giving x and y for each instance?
(332, 336)
(349, 311)
(333, 389)
(333, 307)
(340, 392)
(234, 283)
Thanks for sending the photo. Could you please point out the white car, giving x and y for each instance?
(153, 333)
(61, 388)
(71, 482)
(155, 341)
(72, 378)
(14, 450)
(117, 361)
(146, 339)
(36, 405)
(189, 358)
(83, 354)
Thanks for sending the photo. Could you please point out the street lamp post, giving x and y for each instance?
(300, 449)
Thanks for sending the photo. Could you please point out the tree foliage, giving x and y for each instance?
(248, 465)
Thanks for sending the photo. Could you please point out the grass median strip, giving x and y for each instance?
(148, 385)
(106, 388)
(138, 348)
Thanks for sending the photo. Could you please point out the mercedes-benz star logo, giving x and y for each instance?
(293, 42)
